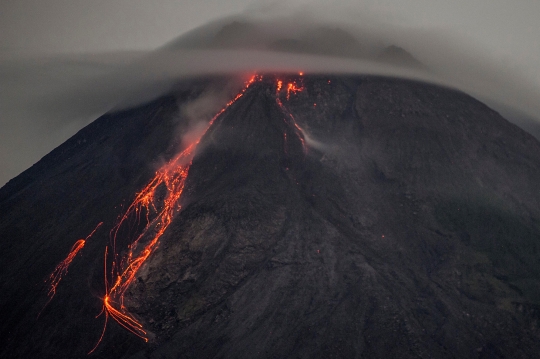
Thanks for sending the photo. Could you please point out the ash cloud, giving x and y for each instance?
(44, 101)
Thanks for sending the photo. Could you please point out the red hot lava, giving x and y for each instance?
(157, 203)
(61, 269)
(159, 212)
(292, 87)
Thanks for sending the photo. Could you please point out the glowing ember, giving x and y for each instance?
(291, 87)
(159, 211)
(61, 269)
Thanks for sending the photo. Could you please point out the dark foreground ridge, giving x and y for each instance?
(410, 228)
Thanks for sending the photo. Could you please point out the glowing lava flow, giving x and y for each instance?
(159, 200)
(291, 87)
(294, 88)
(61, 269)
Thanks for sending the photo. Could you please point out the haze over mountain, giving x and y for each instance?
(318, 216)
(45, 99)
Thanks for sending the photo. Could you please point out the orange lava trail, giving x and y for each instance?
(294, 88)
(61, 269)
(291, 87)
(159, 211)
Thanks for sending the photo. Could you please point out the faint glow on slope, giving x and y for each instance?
(292, 87)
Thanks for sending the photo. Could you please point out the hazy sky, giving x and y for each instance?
(34, 119)
(503, 26)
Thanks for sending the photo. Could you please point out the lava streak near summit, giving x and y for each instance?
(156, 204)
(150, 214)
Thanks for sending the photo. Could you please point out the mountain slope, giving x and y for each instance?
(408, 227)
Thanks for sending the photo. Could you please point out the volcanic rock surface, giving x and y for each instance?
(409, 226)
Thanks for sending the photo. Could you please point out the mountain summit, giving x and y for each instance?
(313, 217)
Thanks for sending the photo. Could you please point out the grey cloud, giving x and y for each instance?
(44, 101)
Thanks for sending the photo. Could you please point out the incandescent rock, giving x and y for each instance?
(408, 227)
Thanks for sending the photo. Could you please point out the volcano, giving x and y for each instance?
(312, 216)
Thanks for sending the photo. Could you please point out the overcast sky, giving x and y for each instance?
(33, 122)
(41, 26)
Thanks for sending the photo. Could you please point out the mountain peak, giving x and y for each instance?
(396, 55)
(317, 216)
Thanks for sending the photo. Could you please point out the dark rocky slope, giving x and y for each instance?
(411, 228)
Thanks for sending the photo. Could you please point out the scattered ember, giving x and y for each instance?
(294, 88)
(156, 203)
